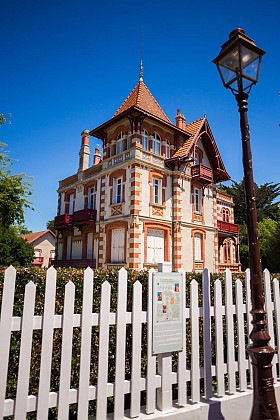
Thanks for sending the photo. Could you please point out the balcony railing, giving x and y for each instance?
(85, 216)
(74, 263)
(202, 173)
(233, 267)
(62, 221)
(38, 261)
(227, 227)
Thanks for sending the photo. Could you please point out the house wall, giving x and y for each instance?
(45, 245)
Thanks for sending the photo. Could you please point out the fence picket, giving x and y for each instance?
(101, 409)
(66, 352)
(218, 310)
(249, 318)
(242, 362)
(182, 372)
(151, 360)
(277, 314)
(83, 397)
(195, 370)
(136, 350)
(230, 333)
(207, 334)
(269, 316)
(47, 345)
(25, 351)
(121, 345)
(5, 330)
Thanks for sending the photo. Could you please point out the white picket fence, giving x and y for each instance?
(225, 320)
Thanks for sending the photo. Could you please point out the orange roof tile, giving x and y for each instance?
(141, 97)
(31, 237)
(192, 129)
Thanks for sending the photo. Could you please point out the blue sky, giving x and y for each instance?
(68, 65)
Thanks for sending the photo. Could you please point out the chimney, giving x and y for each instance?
(180, 120)
(84, 151)
(96, 157)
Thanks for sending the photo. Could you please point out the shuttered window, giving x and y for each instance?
(197, 247)
(117, 247)
(155, 246)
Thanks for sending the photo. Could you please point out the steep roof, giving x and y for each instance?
(193, 129)
(31, 237)
(141, 97)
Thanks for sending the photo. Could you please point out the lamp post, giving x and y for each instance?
(239, 66)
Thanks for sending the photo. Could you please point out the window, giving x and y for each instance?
(71, 204)
(197, 200)
(155, 246)
(117, 190)
(157, 191)
(145, 140)
(196, 159)
(225, 214)
(119, 147)
(117, 246)
(91, 198)
(37, 253)
(156, 144)
(167, 150)
(197, 247)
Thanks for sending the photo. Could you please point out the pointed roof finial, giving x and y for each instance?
(141, 72)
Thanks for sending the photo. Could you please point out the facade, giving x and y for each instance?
(44, 247)
(150, 197)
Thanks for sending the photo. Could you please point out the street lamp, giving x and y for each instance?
(239, 67)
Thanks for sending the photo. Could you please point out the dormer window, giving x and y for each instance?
(156, 144)
(145, 140)
(119, 147)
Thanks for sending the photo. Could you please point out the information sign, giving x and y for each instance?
(168, 312)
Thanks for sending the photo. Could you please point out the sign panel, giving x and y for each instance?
(168, 312)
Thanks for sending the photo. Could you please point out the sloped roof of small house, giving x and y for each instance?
(142, 98)
(31, 237)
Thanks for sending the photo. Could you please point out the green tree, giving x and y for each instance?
(268, 212)
(50, 225)
(15, 191)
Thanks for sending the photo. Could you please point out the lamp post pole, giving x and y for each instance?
(261, 354)
(239, 65)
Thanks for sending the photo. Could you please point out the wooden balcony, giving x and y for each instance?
(227, 227)
(233, 267)
(38, 261)
(62, 221)
(202, 174)
(84, 217)
(74, 263)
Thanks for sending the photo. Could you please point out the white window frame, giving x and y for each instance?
(157, 191)
(117, 190)
(197, 201)
(167, 150)
(145, 140)
(71, 204)
(156, 144)
(197, 247)
(119, 145)
(155, 246)
(91, 198)
(117, 246)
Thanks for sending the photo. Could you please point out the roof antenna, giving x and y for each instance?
(141, 73)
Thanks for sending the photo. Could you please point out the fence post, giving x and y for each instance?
(164, 393)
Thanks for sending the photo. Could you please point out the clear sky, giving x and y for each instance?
(68, 65)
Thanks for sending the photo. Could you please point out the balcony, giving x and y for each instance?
(202, 174)
(233, 267)
(74, 263)
(84, 217)
(38, 261)
(227, 227)
(63, 221)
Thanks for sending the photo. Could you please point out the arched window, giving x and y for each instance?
(167, 150)
(145, 140)
(225, 215)
(119, 148)
(156, 144)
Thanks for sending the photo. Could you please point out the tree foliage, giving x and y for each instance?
(268, 213)
(50, 225)
(15, 192)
